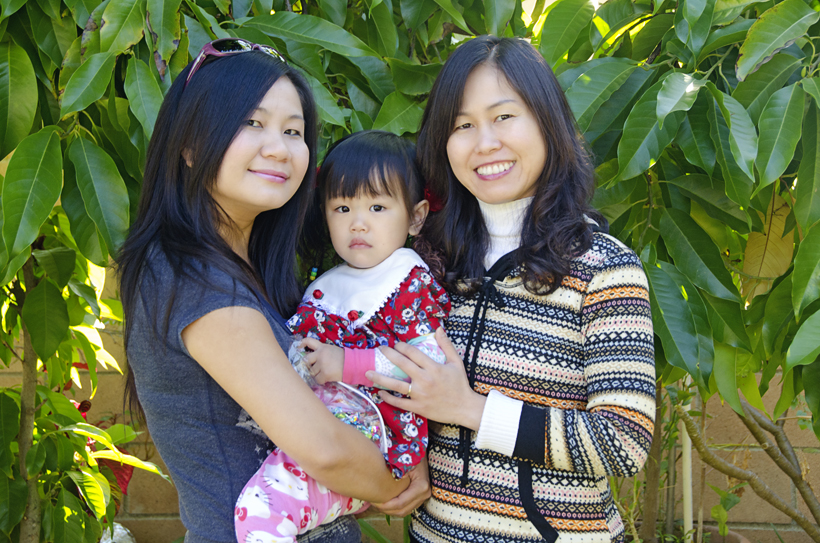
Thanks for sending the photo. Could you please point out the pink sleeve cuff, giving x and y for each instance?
(357, 362)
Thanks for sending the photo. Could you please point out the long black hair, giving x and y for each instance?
(177, 212)
(555, 227)
(370, 162)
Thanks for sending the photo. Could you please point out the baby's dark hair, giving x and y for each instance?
(370, 162)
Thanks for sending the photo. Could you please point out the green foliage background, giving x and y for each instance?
(702, 116)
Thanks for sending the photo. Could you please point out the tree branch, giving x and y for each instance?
(647, 533)
(784, 456)
(758, 486)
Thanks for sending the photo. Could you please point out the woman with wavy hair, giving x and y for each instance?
(550, 316)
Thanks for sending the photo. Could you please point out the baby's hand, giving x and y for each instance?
(325, 362)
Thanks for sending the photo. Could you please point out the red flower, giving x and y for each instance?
(318, 294)
(353, 315)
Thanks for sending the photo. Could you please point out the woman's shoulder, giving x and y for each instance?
(607, 251)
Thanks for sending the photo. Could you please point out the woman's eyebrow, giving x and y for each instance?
(265, 111)
(491, 106)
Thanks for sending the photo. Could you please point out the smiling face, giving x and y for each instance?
(496, 149)
(267, 159)
(367, 229)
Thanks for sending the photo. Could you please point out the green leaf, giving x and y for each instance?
(58, 263)
(336, 11)
(103, 191)
(18, 96)
(643, 140)
(82, 228)
(755, 91)
(738, 184)
(305, 55)
(309, 29)
(806, 275)
(359, 121)
(812, 86)
(780, 125)
(612, 113)
(497, 14)
(413, 79)
(329, 111)
(121, 434)
(87, 293)
(721, 37)
(13, 498)
(807, 195)
(709, 193)
(678, 93)
(9, 7)
(122, 25)
(725, 371)
(207, 22)
(697, 146)
(130, 461)
(9, 428)
(696, 255)
(706, 348)
(381, 21)
(35, 458)
(414, 12)
(645, 41)
(595, 86)
(46, 317)
(673, 321)
(162, 19)
(94, 489)
(88, 83)
(727, 10)
(31, 188)
(377, 74)
(450, 9)
(727, 322)
(742, 135)
(811, 384)
(564, 22)
(805, 346)
(399, 114)
(777, 28)
(778, 313)
(144, 94)
(68, 518)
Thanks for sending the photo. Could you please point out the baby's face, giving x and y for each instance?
(366, 229)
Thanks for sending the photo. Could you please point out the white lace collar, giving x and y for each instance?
(344, 289)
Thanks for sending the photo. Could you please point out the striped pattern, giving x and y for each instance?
(585, 355)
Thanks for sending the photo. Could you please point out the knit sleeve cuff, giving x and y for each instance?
(357, 362)
(499, 424)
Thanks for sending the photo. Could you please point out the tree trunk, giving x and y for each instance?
(652, 470)
(30, 526)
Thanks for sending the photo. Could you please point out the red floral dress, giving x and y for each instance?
(416, 308)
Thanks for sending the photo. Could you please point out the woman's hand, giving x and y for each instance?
(413, 496)
(326, 361)
(440, 392)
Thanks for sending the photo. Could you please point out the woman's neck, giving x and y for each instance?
(237, 239)
(504, 223)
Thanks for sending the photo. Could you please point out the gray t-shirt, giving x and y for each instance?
(204, 437)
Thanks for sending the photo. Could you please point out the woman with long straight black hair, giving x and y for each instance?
(206, 274)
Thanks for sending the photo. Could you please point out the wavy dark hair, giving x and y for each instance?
(555, 226)
(370, 162)
(177, 212)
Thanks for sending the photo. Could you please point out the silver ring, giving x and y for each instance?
(409, 388)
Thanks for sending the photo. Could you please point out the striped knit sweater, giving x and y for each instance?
(582, 361)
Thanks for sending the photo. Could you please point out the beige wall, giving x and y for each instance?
(151, 512)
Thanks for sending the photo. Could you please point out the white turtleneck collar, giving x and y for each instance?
(504, 223)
